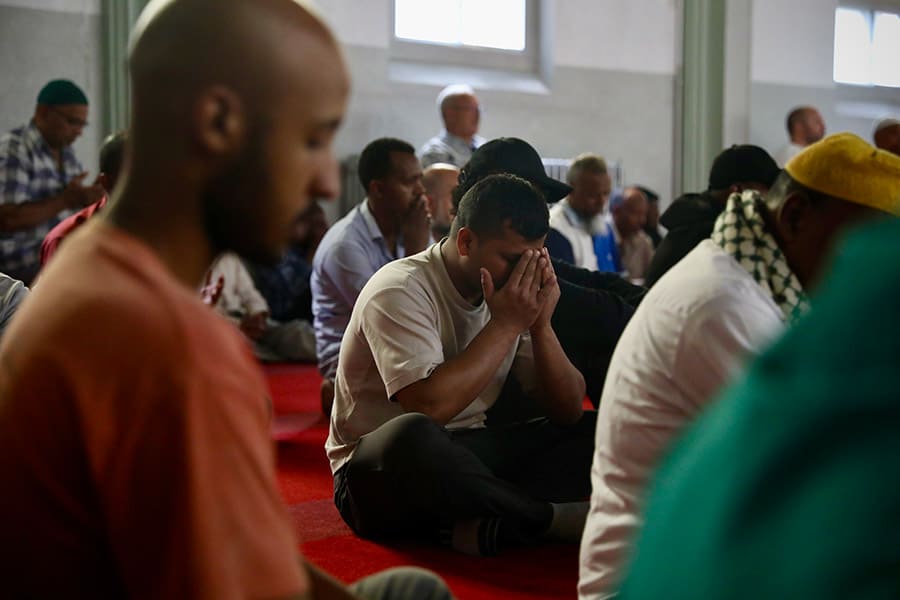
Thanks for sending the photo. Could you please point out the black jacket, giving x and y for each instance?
(690, 220)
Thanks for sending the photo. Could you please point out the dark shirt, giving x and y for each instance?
(654, 235)
(690, 220)
(286, 286)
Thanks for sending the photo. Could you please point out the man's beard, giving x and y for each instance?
(231, 219)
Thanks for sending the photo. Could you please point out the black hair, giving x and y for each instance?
(466, 181)
(650, 194)
(112, 153)
(502, 200)
(375, 160)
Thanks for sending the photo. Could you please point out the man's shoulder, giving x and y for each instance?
(557, 210)
(436, 150)
(118, 289)
(645, 240)
(706, 276)
(347, 232)
(437, 142)
(17, 134)
(14, 143)
(411, 277)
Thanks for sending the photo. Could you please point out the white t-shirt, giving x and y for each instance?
(239, 295)
(786, 153)
(409, 319)
(691, 335)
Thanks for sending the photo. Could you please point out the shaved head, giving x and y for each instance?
(630, 211)
(244, 44)
(439, 180)
(235, 104)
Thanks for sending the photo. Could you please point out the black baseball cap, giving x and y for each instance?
(515, 156)
(742, 164)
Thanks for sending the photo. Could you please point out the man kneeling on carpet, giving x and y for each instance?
(429, 345)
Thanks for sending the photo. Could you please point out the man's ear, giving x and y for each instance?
(465, 241)
(220, 121)
(793, 216)
(376, 189)
(40, 114)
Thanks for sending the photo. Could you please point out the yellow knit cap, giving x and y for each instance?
(844, 166)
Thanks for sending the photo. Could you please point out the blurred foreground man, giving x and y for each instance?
(135, 458)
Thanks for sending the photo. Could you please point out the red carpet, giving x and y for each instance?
(305, 481)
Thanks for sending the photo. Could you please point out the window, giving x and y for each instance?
(488, 33)
(866, 47)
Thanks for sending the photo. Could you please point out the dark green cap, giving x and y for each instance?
(61, 91)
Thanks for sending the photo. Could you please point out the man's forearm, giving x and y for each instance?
(16, 217)
(458, 382)
(560, 386)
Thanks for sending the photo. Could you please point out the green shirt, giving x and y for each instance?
(789, 487)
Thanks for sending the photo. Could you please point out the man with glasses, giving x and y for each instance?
(461, 114)
(40, 177)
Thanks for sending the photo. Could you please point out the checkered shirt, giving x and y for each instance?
(28, 172)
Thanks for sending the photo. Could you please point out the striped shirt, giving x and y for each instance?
(28, 172)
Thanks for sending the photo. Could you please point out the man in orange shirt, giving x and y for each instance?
(135, 459)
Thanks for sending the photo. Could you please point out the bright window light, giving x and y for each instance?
(886, 50)
(866, 47)
(852, 47)
(498, 24)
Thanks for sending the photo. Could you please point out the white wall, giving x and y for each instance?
(736, 97)
(611, 89)
(359, 22)
(791, 62)
(620, 35)
(793, 42)
(90, 7)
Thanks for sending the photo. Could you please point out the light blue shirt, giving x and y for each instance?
(351, 252)
(447, 148)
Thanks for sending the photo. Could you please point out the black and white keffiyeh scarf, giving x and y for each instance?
(741, 231)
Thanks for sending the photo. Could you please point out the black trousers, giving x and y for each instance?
(412, 477)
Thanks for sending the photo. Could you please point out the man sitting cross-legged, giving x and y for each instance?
(430, 343)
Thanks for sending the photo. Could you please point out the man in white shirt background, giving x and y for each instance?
(805, 126)
(461, 114)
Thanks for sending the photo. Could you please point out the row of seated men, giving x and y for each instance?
(406, 209)
(719, 306)
(731, 276)
(134, 450)
(385, 160)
